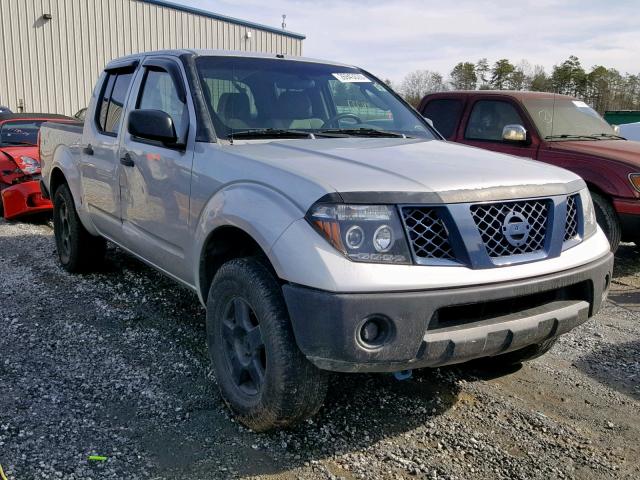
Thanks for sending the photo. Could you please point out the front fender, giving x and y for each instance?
(256, 209)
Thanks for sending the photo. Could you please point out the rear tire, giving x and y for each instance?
(78, 250)
(262, 374)
(607, 219)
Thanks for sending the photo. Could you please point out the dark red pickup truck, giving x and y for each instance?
(555, 129)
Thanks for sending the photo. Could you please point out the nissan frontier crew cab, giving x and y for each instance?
(322, 222)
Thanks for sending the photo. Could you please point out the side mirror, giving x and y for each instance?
(152, 125)
(429, 121)
(514, 133)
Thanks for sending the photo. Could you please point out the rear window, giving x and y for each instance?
(111, 102)
(445, 114)
(20, 132)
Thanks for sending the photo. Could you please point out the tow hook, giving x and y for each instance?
(403, 375)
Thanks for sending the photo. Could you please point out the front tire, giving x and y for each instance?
(78, 250)
(262, 374)
(607, 219)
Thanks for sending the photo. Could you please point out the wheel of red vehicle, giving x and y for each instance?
(607, 219)
(78, 250)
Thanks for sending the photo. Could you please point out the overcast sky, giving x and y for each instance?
(392, 38)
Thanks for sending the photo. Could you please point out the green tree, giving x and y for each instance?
(501, 74)
(463, 76)
(569, 78)
(540, 81)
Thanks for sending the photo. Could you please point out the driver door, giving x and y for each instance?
(155, 178)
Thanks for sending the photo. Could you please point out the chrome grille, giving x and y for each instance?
(571, 227)
(490, 220)
(427, 233)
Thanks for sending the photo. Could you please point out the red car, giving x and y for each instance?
(20, 163)
(556, 129)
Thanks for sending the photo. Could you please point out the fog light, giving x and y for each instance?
(375, 331)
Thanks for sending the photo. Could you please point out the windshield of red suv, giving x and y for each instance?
(256, 97)
(19, 132)
(567, 119)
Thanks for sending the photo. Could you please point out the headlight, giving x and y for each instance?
(589, 214)
(363, 233)
(634, 178)
(29, 165)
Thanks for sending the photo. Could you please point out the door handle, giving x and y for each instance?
(88, 150)
(126, 160)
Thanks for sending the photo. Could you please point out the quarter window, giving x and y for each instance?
(489, 117)
(445, 114)
(112, 102)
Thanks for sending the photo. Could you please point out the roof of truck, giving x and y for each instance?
(223, 53)
(519, 94)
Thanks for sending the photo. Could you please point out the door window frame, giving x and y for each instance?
(113, 71)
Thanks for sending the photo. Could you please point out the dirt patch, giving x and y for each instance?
(115, 364)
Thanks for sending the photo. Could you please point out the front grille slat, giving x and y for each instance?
(571, 227)
(428, 235)
(490, 220)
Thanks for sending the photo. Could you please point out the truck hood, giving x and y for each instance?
(402, 165)
(624, 151)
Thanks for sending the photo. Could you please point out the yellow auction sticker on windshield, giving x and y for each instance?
(351, 77)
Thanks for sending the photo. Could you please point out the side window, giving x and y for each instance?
(445, 114)
(160, 93)
(112, 101)
(488, 118)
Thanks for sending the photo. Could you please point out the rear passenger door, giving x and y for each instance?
(155, 178)
(99, 150)
(483, 124)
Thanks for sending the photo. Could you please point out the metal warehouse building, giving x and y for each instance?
(53, 50)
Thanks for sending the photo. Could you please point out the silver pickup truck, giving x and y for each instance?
(324, 224)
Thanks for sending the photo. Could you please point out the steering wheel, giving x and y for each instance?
(340, 116)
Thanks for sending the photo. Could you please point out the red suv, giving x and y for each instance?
(555, 129)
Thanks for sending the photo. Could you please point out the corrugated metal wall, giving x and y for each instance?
(51, 65)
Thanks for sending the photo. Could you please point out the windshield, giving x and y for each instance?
(566, 119)
(20, 132)
(274, 96)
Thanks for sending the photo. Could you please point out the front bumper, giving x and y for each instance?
(445, 326)
(24, 199)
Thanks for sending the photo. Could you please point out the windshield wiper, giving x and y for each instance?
(610, 135)
(572, 137)
(364, 132)
(269, 132)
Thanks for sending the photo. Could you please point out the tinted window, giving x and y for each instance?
(445, 115)
(259, 93)
(489, 117)
(111, 104)
(23, 132)
(103, 103)
(160, 93)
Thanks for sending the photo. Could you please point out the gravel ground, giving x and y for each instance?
(115, 364)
